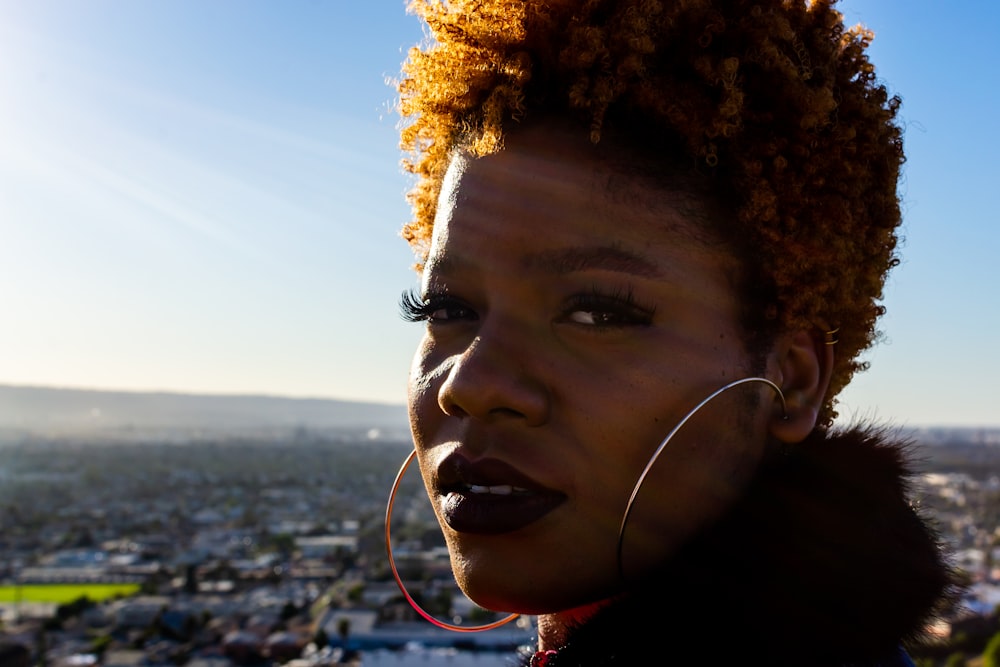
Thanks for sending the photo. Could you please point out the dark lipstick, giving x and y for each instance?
(490, 497)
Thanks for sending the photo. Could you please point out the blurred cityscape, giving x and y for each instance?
(263, 544)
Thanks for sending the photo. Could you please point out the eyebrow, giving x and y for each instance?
(607, 258)
(561, 262)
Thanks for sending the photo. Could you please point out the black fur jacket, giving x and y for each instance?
(826, 562)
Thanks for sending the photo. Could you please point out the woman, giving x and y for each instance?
(652, 240)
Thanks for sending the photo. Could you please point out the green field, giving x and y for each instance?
(63, 593)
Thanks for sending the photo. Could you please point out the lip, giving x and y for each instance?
(490, 497)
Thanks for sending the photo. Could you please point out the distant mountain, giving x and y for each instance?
(56, 410)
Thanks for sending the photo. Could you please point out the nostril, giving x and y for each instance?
(506, 412)
(450, 406)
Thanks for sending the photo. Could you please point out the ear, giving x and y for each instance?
(805, 363)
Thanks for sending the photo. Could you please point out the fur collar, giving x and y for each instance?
(826, 562)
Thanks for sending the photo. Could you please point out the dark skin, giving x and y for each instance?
(568, 330)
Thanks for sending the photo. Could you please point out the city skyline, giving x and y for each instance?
(206, 198)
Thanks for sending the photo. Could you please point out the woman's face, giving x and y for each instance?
(573, 317)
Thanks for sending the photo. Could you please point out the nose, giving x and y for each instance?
(491, 380)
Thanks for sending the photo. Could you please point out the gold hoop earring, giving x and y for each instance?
(663, 445)
(399, 582)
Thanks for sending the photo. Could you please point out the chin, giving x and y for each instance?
(496, 593)
(504, 590)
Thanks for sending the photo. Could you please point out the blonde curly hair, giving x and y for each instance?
(774, 102)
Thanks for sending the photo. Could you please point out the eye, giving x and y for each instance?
(434, 308)
(594, 318)
(607, 310)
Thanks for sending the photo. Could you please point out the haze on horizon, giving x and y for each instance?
(206, 198)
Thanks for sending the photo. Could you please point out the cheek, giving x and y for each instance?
(421, 397)
(698, 476)
(420, 366)
(417, 405)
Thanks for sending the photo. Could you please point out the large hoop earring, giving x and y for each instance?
(663, 445)
(399, 582)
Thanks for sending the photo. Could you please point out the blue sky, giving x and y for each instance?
(205, 196)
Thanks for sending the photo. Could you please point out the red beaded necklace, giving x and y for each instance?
(542, 658)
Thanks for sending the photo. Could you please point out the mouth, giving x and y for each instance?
(490, 497)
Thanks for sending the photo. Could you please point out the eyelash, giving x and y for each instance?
(414, 308)
(620, 304)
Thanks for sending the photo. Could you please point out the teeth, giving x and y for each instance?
(498, 490)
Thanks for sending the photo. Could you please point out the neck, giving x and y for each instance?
(554, 629)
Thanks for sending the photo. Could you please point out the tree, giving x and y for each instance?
(288, 610)
(956, 660)
(100, 644)
(356, 593)
(344, 629)
(73, 609)
(991, 655)
(283, 543)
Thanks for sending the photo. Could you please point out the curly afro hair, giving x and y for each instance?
(774, 102)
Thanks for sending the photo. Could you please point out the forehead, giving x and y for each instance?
(565, 205)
